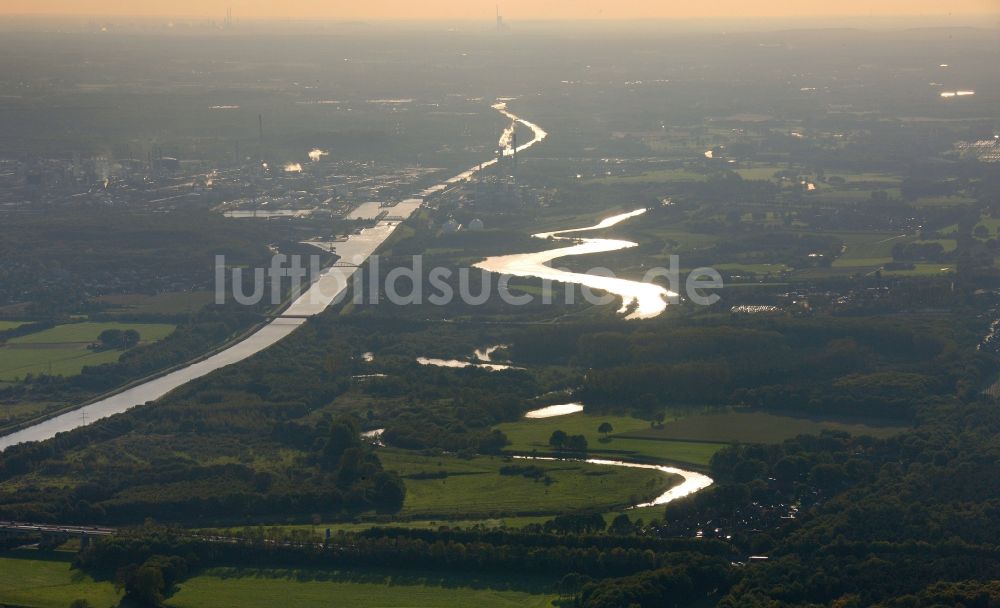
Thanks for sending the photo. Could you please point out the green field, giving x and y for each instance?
(678, 240)
(663, 175)
(46, 581)
(756, 427)
(531, 435)
(28, 579)
(238, 588)
(561, 219)
(18, 362)
(62, 350)
(85, 333)
(675, 239)
(5, 325)
(687, 440)
(923, 269)
(474, 487)
(866, 251)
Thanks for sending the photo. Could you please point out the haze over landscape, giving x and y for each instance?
(539, 304)
(450, 10)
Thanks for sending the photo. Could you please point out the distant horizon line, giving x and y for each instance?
(489, 20)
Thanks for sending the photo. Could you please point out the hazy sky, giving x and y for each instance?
(512, 9)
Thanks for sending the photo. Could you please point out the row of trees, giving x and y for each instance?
(149, 561)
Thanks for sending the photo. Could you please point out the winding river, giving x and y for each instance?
(640, 300)
(325, 290)
(692, 483)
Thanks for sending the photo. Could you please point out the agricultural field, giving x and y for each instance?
(756, 427)
(87, 333)
(660, 176)
(46, 581)
(449, 487)
(867, 252)
(622, 442)
(862, 247)
(63, 350)
(16, 363)
(244, 588)
(5, 325)
(690, 440)
(676, 240)
(923, 269)
(560, 219)
(759, 172)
